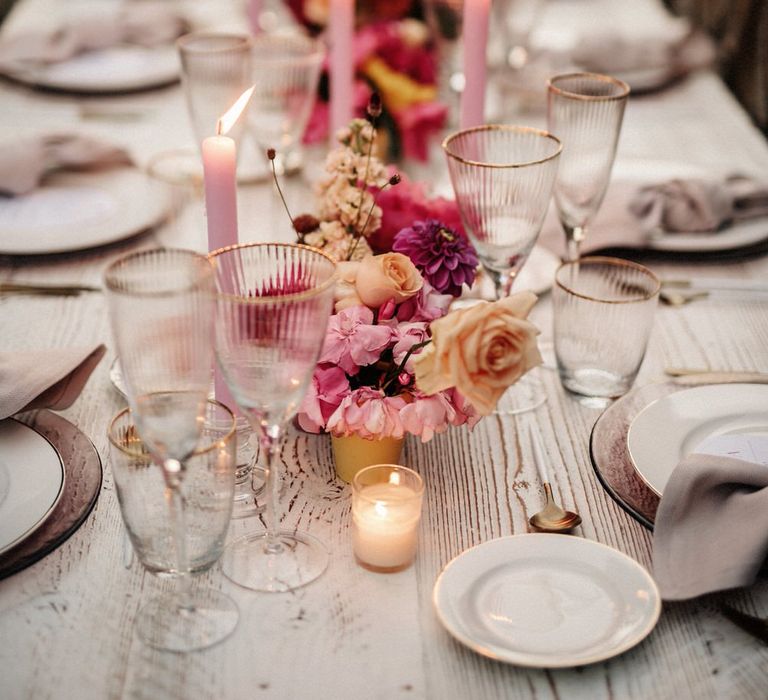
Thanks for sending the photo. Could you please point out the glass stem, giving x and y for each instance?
(502, 282)
(574, 236)
(270, 445)
(173, 471)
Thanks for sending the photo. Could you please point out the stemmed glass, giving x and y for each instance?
(585, 110)
(503, 177)
(286, 71)
(215, 71)
(161, 308)
(274, 301)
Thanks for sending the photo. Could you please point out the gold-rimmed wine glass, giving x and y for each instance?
(161, 309)
(586, 111)
(503, 177)
(274, 301)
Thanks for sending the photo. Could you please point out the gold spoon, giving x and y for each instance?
(551, 518)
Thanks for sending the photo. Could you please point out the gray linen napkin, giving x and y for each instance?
(698, 204)
(711, 530)
(142, 24)
(44, 378)
(24, 162)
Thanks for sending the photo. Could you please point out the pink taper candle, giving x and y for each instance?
(220, 172)
(475, 39)
(220, 176)
(254, 15)
(341, 26)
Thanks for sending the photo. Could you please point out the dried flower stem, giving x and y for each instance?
(271, 156)
(401, 366)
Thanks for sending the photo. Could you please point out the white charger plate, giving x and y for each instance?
(31, 481)
(673, 426)
(546, 601)
(75, 211)
(116, 69)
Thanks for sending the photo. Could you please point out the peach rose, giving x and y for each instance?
(345, 293)
(384, 277)
(481, 350)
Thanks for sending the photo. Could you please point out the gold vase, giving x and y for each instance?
(352, 453)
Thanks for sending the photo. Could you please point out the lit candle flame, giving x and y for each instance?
(228, 119)
(394, 478)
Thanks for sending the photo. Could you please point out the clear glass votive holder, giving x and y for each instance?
(207, 488)
(603, 316)
(386, 509)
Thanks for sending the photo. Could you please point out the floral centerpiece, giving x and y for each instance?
(395, 360)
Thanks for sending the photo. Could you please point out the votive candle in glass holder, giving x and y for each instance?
(386, 508)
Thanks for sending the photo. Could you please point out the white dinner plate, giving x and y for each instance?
(75, 211)
(546, 601)
(739, 234)
(673, 426)
(117, 69)
(31, 481)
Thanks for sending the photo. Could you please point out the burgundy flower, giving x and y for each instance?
(444, 258)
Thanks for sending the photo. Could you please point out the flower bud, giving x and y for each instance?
(271, 153)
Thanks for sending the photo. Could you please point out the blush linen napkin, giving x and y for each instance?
(141, 24)
(699, 204)
(45, 378)
(711, 530)
(630, 213)
(25, 162)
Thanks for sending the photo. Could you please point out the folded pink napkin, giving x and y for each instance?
(711, 530)
(141, 23)
(24, 162)
(44, 379)
(698, 204)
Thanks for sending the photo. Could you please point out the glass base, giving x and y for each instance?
(210, 618)
(295, 560)
(593, 382)
(524, 396)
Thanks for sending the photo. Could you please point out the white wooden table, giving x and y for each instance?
(66, 623)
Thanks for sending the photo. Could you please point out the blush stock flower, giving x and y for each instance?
(480, 351)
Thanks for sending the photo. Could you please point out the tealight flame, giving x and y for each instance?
(394, 478)
(228, 119)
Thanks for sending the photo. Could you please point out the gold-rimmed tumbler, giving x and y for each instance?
(274, 301)
(585, 111)
(603, 316)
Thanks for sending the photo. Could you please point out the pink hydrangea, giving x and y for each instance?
(326, 391)
(351, 340)
(368, 413)
(426, 416)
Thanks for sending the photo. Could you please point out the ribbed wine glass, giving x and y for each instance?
(162, 305)
(502, 177)
(274, 301)
(585, 110)
(286, 71)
